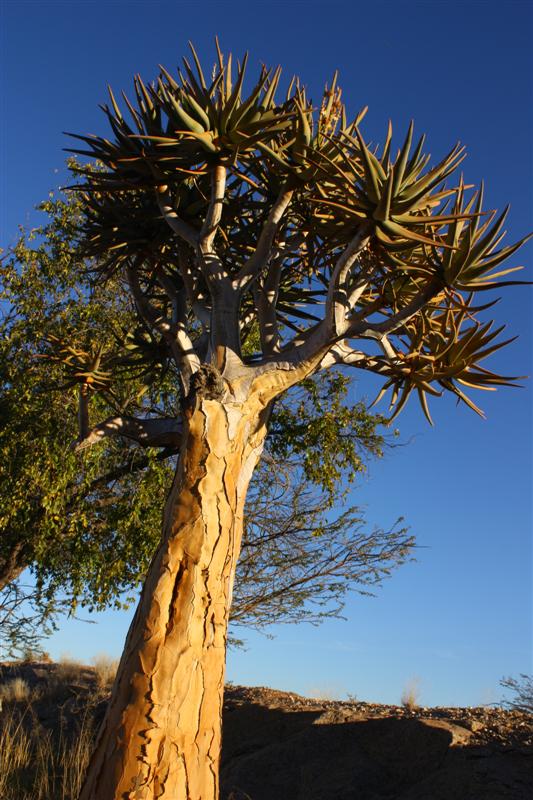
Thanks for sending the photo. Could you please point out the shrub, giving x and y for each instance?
(523, 693)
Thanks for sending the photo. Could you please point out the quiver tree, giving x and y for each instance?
(229, 216)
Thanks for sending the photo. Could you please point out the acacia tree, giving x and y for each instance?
(227, 212)
(91, 522)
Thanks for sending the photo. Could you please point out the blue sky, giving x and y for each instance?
(459, 618)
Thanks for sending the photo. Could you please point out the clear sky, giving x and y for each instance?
(459, 618)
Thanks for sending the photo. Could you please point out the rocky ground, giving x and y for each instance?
(281, 746)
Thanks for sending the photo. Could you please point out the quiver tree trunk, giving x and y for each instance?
(162, 733)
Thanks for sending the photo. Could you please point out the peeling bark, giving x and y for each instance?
(162, 733)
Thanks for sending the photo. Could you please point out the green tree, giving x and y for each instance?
(91, 524)
(226, 212)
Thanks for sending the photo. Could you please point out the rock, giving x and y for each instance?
(460, 735)
(290, 748)
(474, 725)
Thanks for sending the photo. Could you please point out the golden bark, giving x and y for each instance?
(162, 732)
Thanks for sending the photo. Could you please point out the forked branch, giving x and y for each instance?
(214, 211)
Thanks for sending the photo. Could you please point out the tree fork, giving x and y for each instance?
(166, 703)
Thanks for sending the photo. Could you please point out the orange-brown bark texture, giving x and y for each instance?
(161, 736)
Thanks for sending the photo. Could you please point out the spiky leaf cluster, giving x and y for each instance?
(429, 245)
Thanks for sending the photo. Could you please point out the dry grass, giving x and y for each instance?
(411, 694)
(16, 690)
(47, 728)
(15, 751)
(68, 669)
(105, 669)
(30, 655)
(323, 693)
(36, 766)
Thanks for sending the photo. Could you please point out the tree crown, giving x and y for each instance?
(236, 216)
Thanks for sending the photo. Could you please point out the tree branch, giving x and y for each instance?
(176, 337)
(179, 324)
(266, 298)
(210, 264)
(342, 353)
(338, 301)
(197, 302)
(312, 345)
(146, 432)
(177, 297)
(224, 317)
(262, 253)
(214, 212)
(318, 351)
(182, 229)
(392, 323)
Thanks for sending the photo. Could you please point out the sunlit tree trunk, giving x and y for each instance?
(162, 733)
